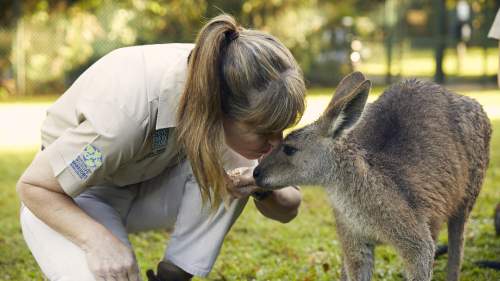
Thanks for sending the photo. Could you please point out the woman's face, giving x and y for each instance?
(246, 142)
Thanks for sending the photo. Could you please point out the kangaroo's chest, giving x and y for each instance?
(357, 218)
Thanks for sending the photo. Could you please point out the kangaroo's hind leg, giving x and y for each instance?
(456, 226)
(415, 245)
(358, 255)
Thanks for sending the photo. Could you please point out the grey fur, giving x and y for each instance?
(395, 171)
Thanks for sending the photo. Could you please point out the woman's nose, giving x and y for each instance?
(275, 139)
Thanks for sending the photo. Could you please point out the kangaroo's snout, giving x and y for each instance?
(258, 176)
(256, 173)
(263, 178)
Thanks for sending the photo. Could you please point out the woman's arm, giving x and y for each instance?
(281, 204)
(42, 194)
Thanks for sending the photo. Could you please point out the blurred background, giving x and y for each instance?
(46, 45)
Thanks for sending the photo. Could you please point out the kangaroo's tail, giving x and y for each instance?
(440, 251)
(489, 264)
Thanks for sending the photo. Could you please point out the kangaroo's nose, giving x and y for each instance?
(256, 172)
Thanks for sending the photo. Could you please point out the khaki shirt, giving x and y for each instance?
(495, 28)
(116, 123)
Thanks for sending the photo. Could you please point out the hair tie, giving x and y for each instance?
(232, 35)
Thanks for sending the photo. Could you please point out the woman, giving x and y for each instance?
(121, 146)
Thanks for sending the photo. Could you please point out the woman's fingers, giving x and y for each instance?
(243, 183)
(109, 259)
(247, 179)
(242, 176)
(133, 274)
(243, 191)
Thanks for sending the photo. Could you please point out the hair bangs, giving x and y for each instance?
(279, 107)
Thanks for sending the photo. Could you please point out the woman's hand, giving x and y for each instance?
(243, 183)
(281, 205)
(109, 259)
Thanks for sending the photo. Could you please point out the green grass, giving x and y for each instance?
(39, 99)
(476, 62)
(261, 249)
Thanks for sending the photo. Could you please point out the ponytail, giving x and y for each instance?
(200, 130)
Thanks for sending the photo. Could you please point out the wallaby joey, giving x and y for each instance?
(395, 171)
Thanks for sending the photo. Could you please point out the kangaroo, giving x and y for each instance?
(394, 171)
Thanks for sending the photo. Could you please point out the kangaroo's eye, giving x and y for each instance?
(289, 150)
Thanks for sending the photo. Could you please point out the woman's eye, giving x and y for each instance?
(289, 150)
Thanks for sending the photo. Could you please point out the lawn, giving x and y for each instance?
(476, 62)
(257, 248)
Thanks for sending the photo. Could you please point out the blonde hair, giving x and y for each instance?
(241, 74)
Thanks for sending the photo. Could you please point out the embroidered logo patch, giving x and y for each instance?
(87, 162)
(160, 138)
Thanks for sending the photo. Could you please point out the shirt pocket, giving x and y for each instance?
(161, 152)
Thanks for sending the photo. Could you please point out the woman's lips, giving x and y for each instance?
(267, 151)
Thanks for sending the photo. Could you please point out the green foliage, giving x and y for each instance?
(58, 41)
(49, 43)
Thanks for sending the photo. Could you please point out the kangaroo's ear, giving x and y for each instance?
(346, 107)
(346, 86)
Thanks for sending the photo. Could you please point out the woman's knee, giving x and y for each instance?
(58, 258)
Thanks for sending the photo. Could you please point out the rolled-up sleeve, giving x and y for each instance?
(84, 155)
